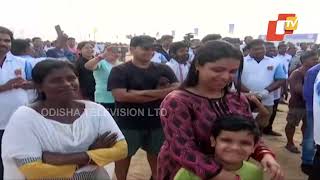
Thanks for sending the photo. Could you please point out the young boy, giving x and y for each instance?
(233, 139)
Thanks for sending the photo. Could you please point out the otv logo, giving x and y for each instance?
(291, 24)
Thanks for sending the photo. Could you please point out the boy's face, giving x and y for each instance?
(233, 147)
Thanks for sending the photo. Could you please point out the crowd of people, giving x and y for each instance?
(197, 107)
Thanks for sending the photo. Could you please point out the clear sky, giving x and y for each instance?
(117, 18)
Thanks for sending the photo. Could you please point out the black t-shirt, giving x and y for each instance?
(130, 77)
(86, 79)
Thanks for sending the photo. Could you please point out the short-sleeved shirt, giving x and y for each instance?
(86, 79)
(33, 133)
(159, 58)
(12, 99)
(248, 171)
(130, 77)
(285, 60)
(101, 75)
(257, 76)
(31, 62)
(296, 99)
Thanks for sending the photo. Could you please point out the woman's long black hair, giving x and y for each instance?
(213, 51)
(44, 68)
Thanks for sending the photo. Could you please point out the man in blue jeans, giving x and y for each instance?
(308, 147)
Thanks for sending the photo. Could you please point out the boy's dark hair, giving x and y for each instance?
(142, 41)
(308, 54)
(211, 37)
(232, 40)
(235, 123)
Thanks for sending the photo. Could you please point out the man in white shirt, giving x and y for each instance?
(285, 60)
(272, 52)
(282, 56)
(23, 49)
(12, 82)
(179, 63)
(162, 53)
(261, 76)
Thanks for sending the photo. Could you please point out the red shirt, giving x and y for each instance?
(187, 124)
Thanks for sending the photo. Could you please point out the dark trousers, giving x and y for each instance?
(315, 174)
(1, 163)
(273, 115)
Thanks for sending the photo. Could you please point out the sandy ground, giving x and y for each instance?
(140, 170)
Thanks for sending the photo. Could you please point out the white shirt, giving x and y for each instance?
(285, 61)
(32, 93)
(258, 76)
(158, 58)
(29, 134)
(180, 70)
(191, 55)
(242, 46)
(12, 99)
(33, 61)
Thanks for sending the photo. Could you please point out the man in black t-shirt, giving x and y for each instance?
(138, 87)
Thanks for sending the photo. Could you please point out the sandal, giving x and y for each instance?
(292, 149)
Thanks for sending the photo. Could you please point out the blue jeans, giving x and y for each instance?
(308, 146)
(315, 174)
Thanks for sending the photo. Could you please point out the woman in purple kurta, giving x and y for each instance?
(190, 113)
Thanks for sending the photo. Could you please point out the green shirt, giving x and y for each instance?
(101, 76)
(248, 171)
